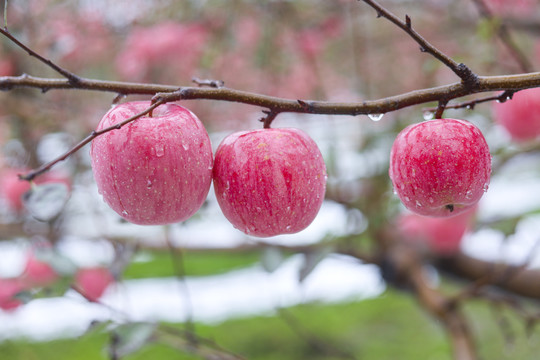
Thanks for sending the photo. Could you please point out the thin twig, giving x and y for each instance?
(72, 78)
(468, 78)
(47, 166)
(471, 104)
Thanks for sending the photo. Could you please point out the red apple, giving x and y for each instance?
(38, 272)
(154, 170)
(92, 282)
(440, 167)
(8, 289)
(520, 116)
(269, 181)
(440, 235)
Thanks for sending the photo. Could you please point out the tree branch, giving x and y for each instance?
(512, 278)
(168, 93)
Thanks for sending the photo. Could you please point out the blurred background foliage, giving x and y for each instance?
(307, 49)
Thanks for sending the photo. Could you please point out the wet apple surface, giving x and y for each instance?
(440, 167)
(269, 181)
(156, 169)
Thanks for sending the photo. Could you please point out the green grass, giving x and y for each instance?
(157, 264)
(389, 327)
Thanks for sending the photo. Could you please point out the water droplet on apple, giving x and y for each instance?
(431, 200)
(375, 117)
(469, 194)
(288, 227)
(160, 151)
(125, 213)
(185, 146)
(428, 115)
(149, 184)
(418, 204)
(407, 198)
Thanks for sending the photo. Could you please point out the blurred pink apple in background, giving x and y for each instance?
(8, 289)
(440, 235)
(169, 46)
(38, 272)
(512, 7)
(520, 116)
(92, 282)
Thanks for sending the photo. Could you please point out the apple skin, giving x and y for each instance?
(440, 167)
(269, 181)
(520, 116)
(441, 236)
(92, 282)
(8, 289)
(155, 170)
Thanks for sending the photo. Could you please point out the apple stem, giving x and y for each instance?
(440, 108)
(270, 116)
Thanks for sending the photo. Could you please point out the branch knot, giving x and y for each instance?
(468, 77)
